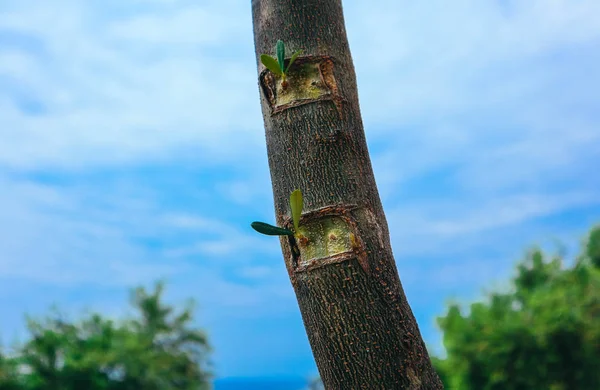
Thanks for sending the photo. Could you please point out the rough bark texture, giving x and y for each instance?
(361, 329)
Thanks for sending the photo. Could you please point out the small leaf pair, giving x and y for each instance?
(296, 204)
(277, 65)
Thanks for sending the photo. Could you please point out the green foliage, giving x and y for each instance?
(280, 50)
(296, 205)
(270, 230)
(9, 378)
(277, 65)
(271, 64)
(545, 334)
(593, 247)
(443, 371)
(155, 350)
(292, 60)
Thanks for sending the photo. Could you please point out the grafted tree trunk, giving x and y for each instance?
(361, 329)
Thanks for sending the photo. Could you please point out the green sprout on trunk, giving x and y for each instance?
(296, 204)
(277, 65)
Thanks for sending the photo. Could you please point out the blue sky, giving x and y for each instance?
(133, 150)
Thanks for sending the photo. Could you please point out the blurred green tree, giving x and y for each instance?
(9, 379)
(544, 334)
(156, 350)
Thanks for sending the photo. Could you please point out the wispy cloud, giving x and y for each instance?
(118, 84)
(456, 218)
(423, 60)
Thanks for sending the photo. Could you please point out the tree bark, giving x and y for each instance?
(361, 329)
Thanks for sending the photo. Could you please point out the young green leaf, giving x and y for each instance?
(296, 203)
(280, 49)
(270, 63)
(270, 230)
(294, 56)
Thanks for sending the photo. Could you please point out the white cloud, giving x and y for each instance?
(451, 227)
(195, 222)
(47, 236)
(206, 24)
(485, 70)
(110, 98)
(73, 234)
(122, 86)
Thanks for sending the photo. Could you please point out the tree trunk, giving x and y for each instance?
(361, 329)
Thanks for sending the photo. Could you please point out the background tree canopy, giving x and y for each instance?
(155, 350)
(544, 334)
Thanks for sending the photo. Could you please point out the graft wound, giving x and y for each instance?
(324, 238)
(310, 79)
(327, 236)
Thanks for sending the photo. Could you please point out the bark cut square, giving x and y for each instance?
(310, 79)
(326, 236)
